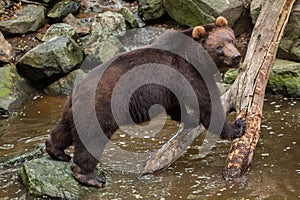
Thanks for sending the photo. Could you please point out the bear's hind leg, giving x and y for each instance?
(60, 138)
(84, 166)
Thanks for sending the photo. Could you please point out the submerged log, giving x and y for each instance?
(246, 95)
(249, 88)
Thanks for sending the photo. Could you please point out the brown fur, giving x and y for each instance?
(65, 133)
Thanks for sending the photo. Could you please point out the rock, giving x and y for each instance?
(289, 47)
(60, 29)
(64, 86)
(151, 9)
(130, 18)
(81, 26)
(45, 176)
(140, 37)
(195, 12)
(14, 90)
(285, 78)
(104, 26)
(255, 8)
(5, 50)
(61, 9)
(51, 60)
(28, 19)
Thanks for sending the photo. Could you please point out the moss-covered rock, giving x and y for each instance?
(14, 90)
(49, 61)
(285, 78)
(62, 8)
(60, 29)
(151, 9)
(195, 12)
(47, 177)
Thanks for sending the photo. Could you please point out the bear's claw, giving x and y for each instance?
(89, 179)
(56, 153)
(239, 127)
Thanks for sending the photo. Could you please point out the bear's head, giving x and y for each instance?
(218, 39)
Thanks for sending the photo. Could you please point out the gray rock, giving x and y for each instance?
(140, 37)
(82, 26)
(28, 19)
(45, 176)
(289, 47)
(195, 12)
(60, 29)
(104, 26)
(61, 9)
(285, 78)
(64, 86)
(46, 62)
(255, 8)
(5, 50)
(14, 90)
(151, 9)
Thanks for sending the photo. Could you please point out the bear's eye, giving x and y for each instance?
(219, 48)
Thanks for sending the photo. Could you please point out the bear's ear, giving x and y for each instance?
(221, 21)
(198, 32)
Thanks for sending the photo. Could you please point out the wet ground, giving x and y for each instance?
(274, 174)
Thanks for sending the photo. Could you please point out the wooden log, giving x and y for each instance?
(248, 90)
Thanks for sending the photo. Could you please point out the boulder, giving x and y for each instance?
(61, 9)
(81, 26)
(60, 29)
(104, 26)
(289, 47)
(49, 61)
(44, 176)
(5, 50)
(14, 90)
(28, 19)
(195, 12)
(130, 17)
(285, 78)
(151, 9)
(64, 85)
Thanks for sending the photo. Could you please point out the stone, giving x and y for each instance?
(195, 12)
(5, 50)
(285, 78)
(64, 86)
(289, 47)
(60, 29)
(151, 9)
(255, 8)
(81, 26)
(14, 90)
(104, 26)
(49, 61)
(130, 17)
(61, 9)
(28, 19)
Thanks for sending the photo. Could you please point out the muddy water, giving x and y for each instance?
(274, 174)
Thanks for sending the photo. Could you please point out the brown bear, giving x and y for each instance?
(92, 97)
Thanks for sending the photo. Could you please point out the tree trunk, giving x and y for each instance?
(247, 92)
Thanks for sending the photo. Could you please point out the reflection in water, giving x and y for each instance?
(274, 173)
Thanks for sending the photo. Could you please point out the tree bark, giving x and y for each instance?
(247, 92)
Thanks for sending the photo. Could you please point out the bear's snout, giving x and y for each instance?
(236, 59)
